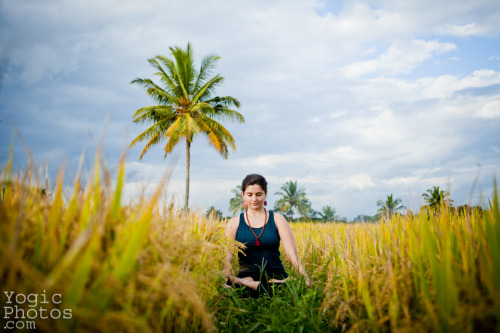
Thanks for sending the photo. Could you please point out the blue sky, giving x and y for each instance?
(355, 100)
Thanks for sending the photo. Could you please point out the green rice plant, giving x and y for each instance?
(292, 308)
(423, 272)
(113, 267)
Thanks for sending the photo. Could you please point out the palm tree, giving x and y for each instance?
(435, 197)
(314, 215)
(236, 202)
(292, 197)
(329, 214)
(186, 106)
(390, 206)
(212, 211)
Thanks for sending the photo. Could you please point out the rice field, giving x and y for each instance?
(81, 261)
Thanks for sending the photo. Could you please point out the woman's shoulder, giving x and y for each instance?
(278, 218)
(232, 225)
(234, 220)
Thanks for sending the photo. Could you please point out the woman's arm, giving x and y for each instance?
(289, 245)
(231, 230)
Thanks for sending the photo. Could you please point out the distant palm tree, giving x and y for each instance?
(390, 206)
(329, 214)
(292, 198)
(435, 198)
(314, 214)
(212, 211)
(236, 202)
(186, 106)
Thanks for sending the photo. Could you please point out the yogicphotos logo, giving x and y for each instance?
(21, 310)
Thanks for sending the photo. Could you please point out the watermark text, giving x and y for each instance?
(21, 310)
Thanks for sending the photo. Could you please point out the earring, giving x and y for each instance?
(244, 204)
(265, 203)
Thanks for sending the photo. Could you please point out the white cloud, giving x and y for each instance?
(490, 110)
(464, 30)
(360, 182)
(401, 57)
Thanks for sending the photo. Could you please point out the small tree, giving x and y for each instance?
(314, 215)
(329, 214)
(212, 211)
(292, 198)
(390, 206)
(436, 198)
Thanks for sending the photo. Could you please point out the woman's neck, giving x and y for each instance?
(256, 212)
(256, 218)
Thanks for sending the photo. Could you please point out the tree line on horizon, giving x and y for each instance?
(294, 205)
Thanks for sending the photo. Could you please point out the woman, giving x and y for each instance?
(260, 231)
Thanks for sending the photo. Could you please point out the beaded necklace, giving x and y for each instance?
(265, 222)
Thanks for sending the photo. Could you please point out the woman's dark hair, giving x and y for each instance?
(254, 179)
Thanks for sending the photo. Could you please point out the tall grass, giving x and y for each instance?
(430, 272)
(143, 267)
(425, 272)
(128, 268)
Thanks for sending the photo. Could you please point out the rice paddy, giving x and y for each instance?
(83, 261)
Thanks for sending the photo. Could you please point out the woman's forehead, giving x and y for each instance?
(254, 189)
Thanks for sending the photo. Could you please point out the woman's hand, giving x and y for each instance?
(286, 237)
(246, 281)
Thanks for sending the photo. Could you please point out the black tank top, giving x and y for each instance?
(264, 258)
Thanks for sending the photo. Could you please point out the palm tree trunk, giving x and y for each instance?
(188, 158)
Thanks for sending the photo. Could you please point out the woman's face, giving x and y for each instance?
(254, 196)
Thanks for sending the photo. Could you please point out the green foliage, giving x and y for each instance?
(436, 198)
(415, 272)
(366, 218)
(329, 214)
(293, 308)
(466, 209)
(118, 268)
(186, 106)
(292, 198)
(390, 206)
(214, 213)
(236, 202)
(314, 215)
